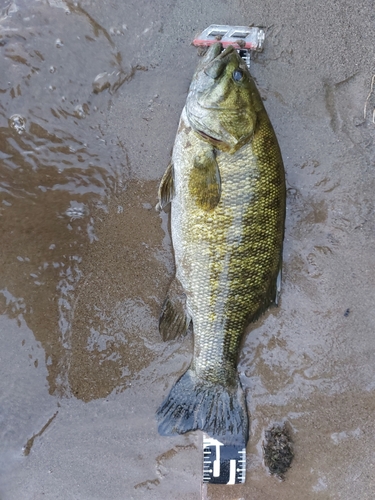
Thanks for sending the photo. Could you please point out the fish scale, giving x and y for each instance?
(227, 222)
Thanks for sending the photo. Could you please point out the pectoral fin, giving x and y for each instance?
(174, 320)
(278, 287)
(166, 188)
(204, 182)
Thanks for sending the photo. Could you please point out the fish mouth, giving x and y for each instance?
(223, 52)
(215, 67)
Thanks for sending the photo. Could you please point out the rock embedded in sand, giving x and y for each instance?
(278, 450)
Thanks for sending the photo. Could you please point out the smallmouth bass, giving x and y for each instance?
(226, 185)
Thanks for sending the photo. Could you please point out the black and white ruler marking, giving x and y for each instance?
(223, 464)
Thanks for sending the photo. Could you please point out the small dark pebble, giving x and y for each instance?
(346, 313)
(358, 121)
(278, 450)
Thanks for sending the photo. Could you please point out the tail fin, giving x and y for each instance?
(193, 404)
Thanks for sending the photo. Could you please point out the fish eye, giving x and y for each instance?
(237, 75)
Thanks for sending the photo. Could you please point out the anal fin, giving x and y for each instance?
(174, 320)
(278, 287)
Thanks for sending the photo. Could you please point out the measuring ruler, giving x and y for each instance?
(223, 464)
(251, 38)
(245, 39)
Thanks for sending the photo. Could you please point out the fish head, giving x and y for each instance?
(223, 102)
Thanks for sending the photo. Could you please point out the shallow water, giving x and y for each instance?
(90, 96)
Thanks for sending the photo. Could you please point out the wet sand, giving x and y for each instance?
(90, 97)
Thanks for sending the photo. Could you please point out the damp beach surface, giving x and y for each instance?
(90, 97)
